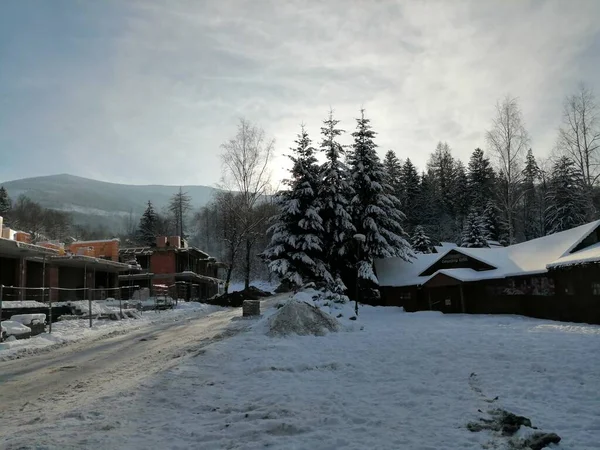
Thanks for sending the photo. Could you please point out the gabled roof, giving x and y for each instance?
(588, 255)
(527, 258)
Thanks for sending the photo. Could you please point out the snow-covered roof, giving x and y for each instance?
(588, 255)
(527, 258)
(398, 272)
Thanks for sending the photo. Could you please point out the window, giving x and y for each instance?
(595, 288)
(404, 296)
(569, 290)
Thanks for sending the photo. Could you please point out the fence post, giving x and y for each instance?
(1, 292)
(87, 291)
(50, 310)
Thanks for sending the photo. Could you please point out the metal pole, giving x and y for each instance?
(1, 292)
(44, 290)
(357, 279)
(50, 309)
(86, 292)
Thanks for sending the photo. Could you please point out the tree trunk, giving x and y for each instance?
(228, 278)
(247, 268)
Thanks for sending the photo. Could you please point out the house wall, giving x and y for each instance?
(565, 295)
(405, 297)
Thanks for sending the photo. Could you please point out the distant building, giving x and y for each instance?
(172, 263)
(554, 277)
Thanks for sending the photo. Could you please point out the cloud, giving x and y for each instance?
(149, 100)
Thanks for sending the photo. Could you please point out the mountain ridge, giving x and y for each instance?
(99, 202)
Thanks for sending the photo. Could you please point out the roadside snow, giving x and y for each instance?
(68, 331)
(14, 328)
(390, 380)
(27, 319)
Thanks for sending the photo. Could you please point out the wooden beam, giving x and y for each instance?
(462, 299)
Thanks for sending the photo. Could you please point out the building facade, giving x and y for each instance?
(554, 277)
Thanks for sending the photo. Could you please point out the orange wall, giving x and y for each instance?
(162, 262)
(100, 249)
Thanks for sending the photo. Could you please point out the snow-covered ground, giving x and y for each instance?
(390, 380)
(68, 331)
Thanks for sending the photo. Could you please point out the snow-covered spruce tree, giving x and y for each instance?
(420, 241)
(375, 212)
(531, 174)
(473, 235)
(411, 188)
(460, 194)
(491, 224)
(566, 199)
(393, 172)
(148, 228)
(296, 252)
(334, 196)
(480, 178)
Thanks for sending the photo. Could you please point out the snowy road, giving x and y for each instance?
(39, 388)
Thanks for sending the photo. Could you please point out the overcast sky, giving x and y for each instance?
(146, 91)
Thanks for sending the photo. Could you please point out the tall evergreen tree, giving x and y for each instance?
(296, 251)
(149, 223)
(492, 225)
(474, 235)
(567, 202)
(428, 208)
(334, 196)
(410, 183)
(441, 165)
(420, 241)
(393, 171)
(531, 174)
(376, 214)
(5, 203)
(179, 207)
(480, 180)
(441, 169)
(460, 193)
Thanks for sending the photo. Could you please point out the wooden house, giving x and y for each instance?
(553, 277)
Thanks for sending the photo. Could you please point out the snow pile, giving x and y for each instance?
(27, 319)
(14, 328)
(302, 318)
(23, 304)
(99, 307)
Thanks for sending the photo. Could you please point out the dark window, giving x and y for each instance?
(596, 288)
(405, 296)
(569, 290)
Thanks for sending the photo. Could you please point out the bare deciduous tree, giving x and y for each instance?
(246, 160)
(579, 138)
(508, 140)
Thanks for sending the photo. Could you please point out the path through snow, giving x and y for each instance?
(402, 382)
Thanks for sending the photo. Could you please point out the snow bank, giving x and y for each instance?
(301, 318)
(23, 304)
(27, 319)
(14, 328)
(68, 331)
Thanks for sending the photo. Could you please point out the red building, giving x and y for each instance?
(192, 273)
